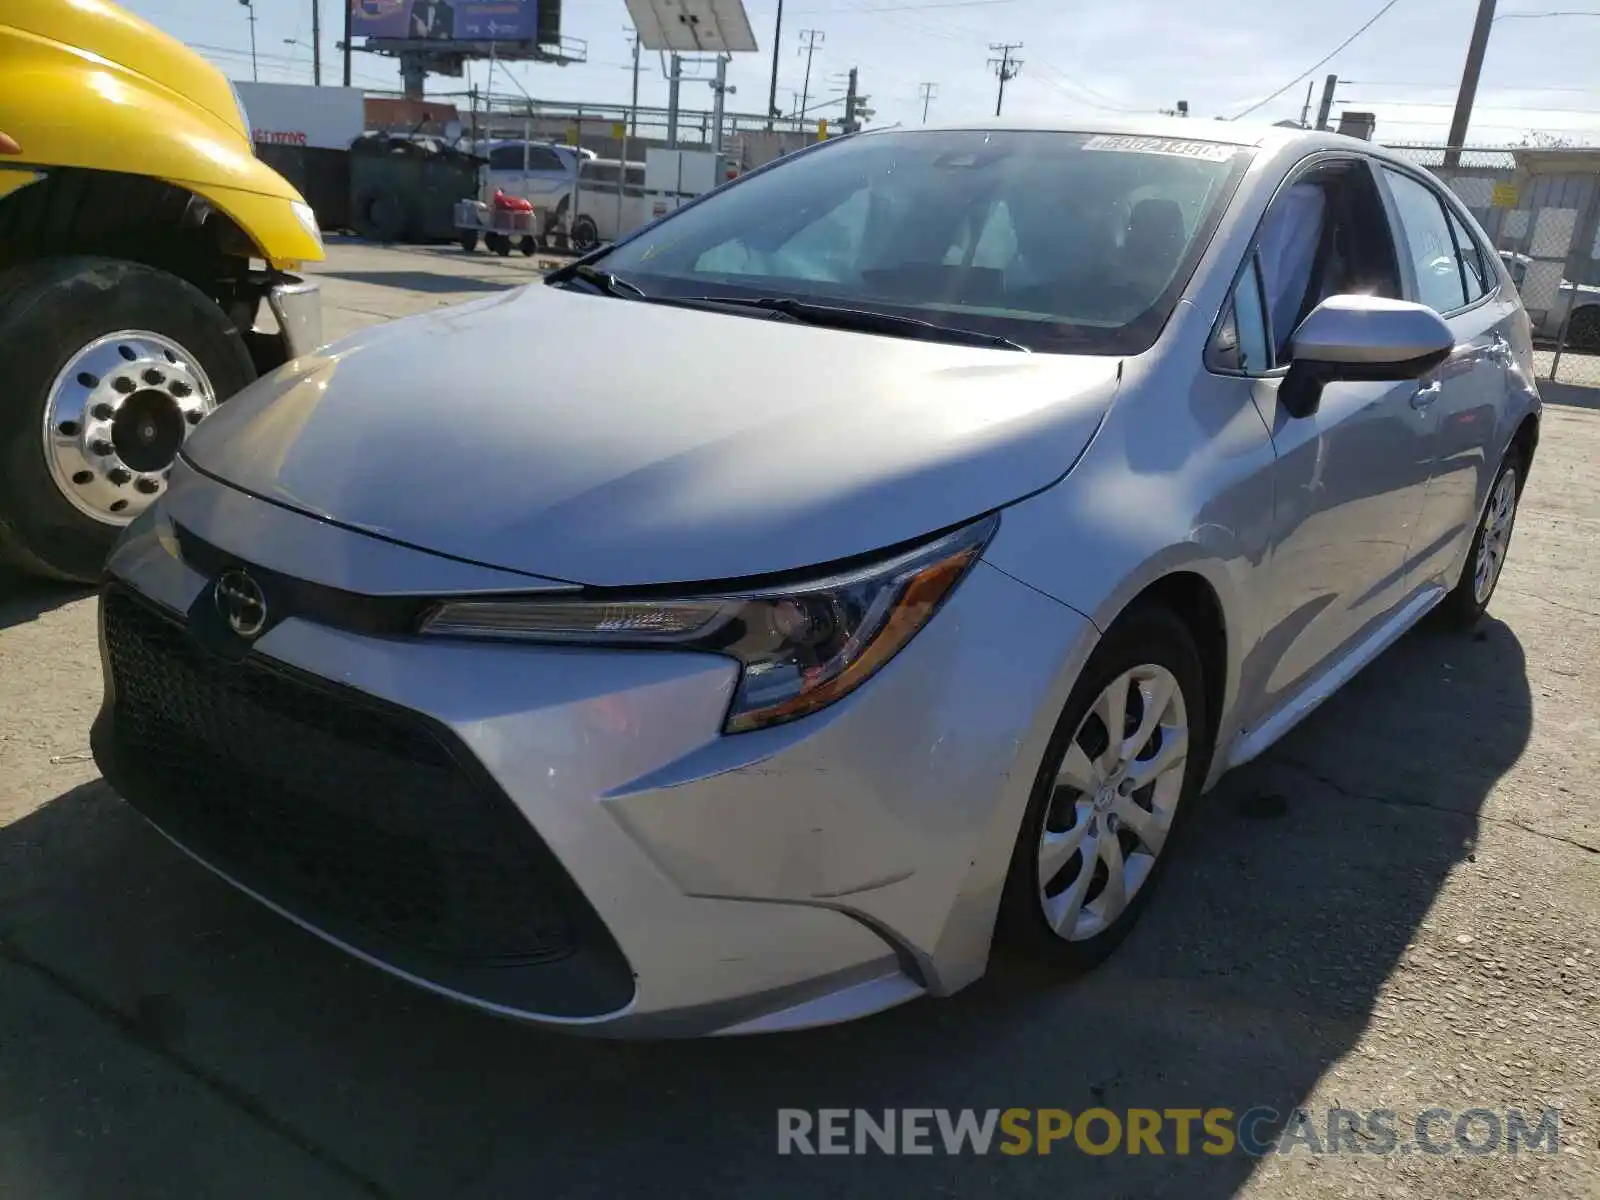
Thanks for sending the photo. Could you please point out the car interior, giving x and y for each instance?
(1326, 234)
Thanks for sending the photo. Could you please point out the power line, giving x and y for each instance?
(1093, 98)
(1501, 108)
(1370, 22)
(1534, 16)
(1439, 87)
(890, 8)
(1005, 67)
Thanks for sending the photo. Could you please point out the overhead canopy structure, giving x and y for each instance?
(693, 26)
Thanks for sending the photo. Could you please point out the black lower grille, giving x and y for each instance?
(327, 802)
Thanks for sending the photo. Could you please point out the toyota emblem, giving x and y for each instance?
(240, 601)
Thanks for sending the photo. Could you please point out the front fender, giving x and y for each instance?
(69, 108)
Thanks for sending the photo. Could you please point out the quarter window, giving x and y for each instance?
(1429, 242)
(1474, 271)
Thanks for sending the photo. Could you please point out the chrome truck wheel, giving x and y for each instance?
(114, 418)
(108, 366)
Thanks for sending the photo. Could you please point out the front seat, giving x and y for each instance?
(1153, 244)
(1288, 245)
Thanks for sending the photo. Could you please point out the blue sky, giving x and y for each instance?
(1079, 57)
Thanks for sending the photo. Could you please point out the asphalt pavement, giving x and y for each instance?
(1397, 908)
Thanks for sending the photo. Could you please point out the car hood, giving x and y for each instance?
(613, 442)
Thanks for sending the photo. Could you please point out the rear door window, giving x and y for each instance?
(1425, 231)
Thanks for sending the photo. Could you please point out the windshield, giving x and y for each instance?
(1060, 241)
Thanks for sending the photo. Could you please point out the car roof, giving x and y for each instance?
(1249, 134)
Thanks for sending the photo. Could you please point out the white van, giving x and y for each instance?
(611, 202)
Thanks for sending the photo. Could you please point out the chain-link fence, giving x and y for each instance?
(1541, 208)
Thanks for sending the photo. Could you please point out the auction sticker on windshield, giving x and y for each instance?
(1181, 148)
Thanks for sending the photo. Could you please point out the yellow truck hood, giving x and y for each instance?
(109, 32)
(90, 85)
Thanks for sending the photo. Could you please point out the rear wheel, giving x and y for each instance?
(468, 240)
(1128, 757)
(585, 234)
(110, 364)
(529, 246)
(379, 216)
(1583, 331)
(1470, 597)
(498, 242)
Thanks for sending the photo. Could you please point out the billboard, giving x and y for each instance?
(457, 20)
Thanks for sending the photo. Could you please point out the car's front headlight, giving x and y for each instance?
(801, 647)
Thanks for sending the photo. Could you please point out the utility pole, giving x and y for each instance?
(929, 91)
(1305, 109)
(1469, 83)
(674, 83)
(1005, 67)
(633, 106)
(250, 8)
(772, 91)
(348, 7)
(1324, 108)
(316, 42)
(811, 39)
(849, 125)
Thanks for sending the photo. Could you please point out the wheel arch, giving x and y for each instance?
(134, 217)
(1526, 439)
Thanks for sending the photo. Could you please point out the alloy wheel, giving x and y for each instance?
(1495, 536)
(1116, 793)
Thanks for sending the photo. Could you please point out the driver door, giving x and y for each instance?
(1350, 479)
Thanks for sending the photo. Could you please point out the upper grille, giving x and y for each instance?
(326, 801)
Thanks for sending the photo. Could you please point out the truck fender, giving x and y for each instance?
(66, 109)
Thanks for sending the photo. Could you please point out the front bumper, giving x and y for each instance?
(702, 883)
(297, 307)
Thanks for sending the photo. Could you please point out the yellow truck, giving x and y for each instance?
(146, 270)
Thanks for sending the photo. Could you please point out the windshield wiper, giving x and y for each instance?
(863, 320)
(611, 285)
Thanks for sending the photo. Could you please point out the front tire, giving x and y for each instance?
(468, 239)
(1128, 757)
(111, 363)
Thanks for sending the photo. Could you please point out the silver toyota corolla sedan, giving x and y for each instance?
(754, 624)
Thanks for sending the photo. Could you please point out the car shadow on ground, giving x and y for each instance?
(1302, 880)
(1571, 395)
(431, 282)
(24, 598)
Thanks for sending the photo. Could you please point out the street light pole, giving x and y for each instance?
(250, 8)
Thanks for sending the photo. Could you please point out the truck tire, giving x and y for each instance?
(109, 364)
(379, 216)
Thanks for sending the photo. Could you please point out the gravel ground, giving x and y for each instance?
(1397, 908)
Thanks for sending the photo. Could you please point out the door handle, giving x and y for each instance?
(1426, 395)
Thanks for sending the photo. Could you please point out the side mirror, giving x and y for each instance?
(1361, 338)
